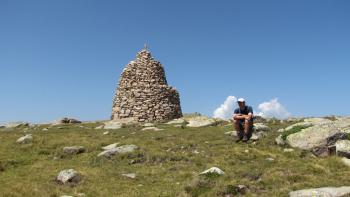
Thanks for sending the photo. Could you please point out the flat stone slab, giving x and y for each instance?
(177, 121)
(114, 145)
(118, 150)
(113, 125)
(152, 128)
(322, 192)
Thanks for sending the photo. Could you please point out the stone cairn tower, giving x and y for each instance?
(143, 93)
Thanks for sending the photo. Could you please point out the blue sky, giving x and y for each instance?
(64, 58)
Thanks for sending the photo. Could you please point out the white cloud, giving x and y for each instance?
(226, 110)
(273, 109)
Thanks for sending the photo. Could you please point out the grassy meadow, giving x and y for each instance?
(167, 163)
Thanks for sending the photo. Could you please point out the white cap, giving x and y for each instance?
(241, 100)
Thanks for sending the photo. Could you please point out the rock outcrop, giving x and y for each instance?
(143, 92)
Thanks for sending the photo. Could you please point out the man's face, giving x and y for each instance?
(241, 105)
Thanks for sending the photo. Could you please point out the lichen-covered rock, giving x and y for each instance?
(322, 134)
(324, 192)
(143, 92)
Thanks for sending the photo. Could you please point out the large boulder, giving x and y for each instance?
(14, 125)
(343, 148)
(261, 127)
(321, 134)
(324, 192)
(200, 121)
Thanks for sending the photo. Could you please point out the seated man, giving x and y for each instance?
(243, 121)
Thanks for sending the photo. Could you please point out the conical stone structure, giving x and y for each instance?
(143, 92)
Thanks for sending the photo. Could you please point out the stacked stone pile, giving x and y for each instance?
(143, 92)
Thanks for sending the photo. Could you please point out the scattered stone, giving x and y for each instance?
(148, 124)
(177, 121)
(114, 145)
(113, 125)
(195, 152)
(270, 159)
(241, 189)
(346, 161)
(178, 125)
(261, 127)
(152, 128)
(214, 170)
(106, 133)
(68, 176)
(121, 149)
(25, 139)
(15, 125)
(288, 150)
(130, 175)
(200, 121)
(143, 92)
(45, 129)
(73, 150)
(343, 148)
(280, 130)
(324, 191)
(257, 136)
(99, 127)
(322, 134)
(279, 140)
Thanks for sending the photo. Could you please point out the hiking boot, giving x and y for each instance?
(239, 139)
(245, 138)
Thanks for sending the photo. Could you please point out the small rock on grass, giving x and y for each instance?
(152, 128)
(74, 149)
(114, 145)
(130, 175)
(68, 176)
(214, 170)
(121, 149)
(25, 139)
